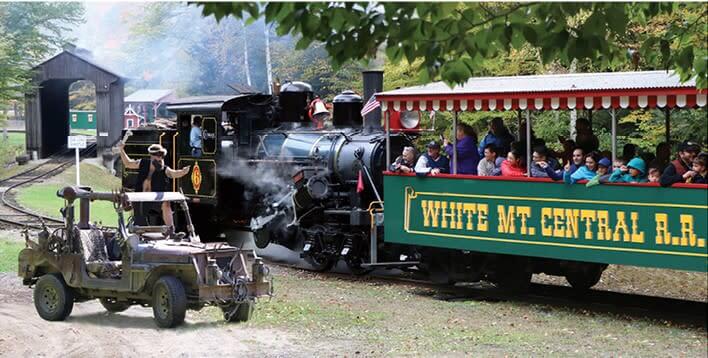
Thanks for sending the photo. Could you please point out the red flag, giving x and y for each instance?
(360, 183)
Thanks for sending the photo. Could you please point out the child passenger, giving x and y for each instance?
(603, 173)
(633, 172)
(700, 167)
(654, 175)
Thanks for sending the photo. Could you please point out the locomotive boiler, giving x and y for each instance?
(268, 168)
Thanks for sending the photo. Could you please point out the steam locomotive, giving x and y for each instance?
(266, 168)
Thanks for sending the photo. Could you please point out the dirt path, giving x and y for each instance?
(91, 331)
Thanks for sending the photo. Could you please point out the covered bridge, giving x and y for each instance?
(47, 106)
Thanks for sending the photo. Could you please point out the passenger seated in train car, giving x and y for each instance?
(490, 164)
(544, 166)
(662, 156)
(629, 152)
(587, 171)
(633, 172)
(700, 168)
(514, 165)
(405, 162)
(602, 175)
(654, 175)
(467, 155)
(431, 162)
(585, 138)
(195, 137)
(577, 161)
(678, 171)
(498, 135)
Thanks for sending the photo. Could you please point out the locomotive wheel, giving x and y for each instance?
(53, 299)
(583, 280)
(320, 262)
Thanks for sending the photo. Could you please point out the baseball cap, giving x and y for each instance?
(433, 144)
(688, 146)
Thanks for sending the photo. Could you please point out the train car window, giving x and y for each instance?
(209, 134)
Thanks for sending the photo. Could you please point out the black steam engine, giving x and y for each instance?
(268, 168)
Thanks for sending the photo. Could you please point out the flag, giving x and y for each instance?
(371, 105)
(360, 183)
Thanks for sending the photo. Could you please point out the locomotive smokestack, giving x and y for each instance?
(373, 83)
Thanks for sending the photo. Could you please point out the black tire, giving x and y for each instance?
(53, 299)
(113, 306)
(583, 280)
(169, 302)
(244, 311)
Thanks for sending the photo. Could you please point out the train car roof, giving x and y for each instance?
(203, 103)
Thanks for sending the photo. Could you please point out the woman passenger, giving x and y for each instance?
(587, 171)
(467, 156)
(633, 172)
(514, 165)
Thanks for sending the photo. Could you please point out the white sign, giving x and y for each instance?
(77, 141)
(103, 134)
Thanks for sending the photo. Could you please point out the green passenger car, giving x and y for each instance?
(642, 225)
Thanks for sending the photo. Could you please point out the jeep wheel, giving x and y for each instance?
(239, 312)
(169, 302)
(53, 299)
(113, 306)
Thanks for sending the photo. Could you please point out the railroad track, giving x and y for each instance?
(14, 215)
(591, 302)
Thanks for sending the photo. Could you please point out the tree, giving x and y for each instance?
(30, 32)
(454, 39)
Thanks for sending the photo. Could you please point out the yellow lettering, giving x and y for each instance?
(546, 213)
(663, 236)
(557, 222)
(459, 216)
(524, 212)
(687, 235)
(571, 219)
(506, 220)
(482, 211)
(430, 212)
(470, 209)
(445, 215)
(588, 216)
(637, 237)
(621, 226)
(603, 225)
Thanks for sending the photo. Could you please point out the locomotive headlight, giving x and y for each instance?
(318, 187)
(410, 119)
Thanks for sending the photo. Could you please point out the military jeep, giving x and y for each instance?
(148, 265)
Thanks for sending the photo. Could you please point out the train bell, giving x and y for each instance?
(320, 114)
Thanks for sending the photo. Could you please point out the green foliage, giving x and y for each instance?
(454, 39)
(29, 32)
(82, 96)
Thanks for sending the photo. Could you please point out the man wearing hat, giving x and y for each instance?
(432, 163)
(679, 170)
(153, 175)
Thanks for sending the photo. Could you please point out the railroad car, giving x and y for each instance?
(325, 192)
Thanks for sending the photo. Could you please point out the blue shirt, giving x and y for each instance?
(195, 137)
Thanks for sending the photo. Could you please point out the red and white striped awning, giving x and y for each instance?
(649, 89)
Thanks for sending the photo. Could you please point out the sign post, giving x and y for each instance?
(77, 142)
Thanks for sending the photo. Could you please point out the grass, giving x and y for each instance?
(42, 197)
(87, 132)
(8, 255)
(11, 147)
(387, 319)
